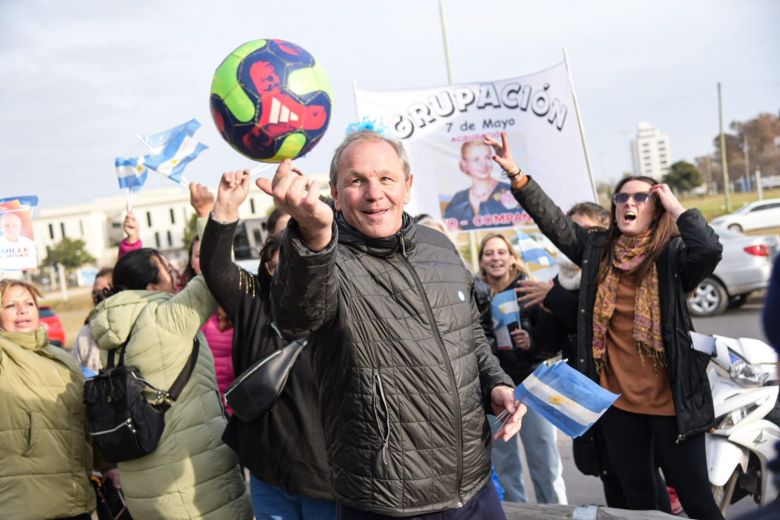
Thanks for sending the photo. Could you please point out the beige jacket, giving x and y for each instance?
(45, 456)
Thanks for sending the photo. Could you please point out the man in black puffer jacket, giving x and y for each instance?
(404, 371)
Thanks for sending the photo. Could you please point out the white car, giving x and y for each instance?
(756, 215)
(746, 267)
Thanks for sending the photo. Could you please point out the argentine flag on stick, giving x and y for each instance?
(541, 263)
(173, 149)
(565, 397)
(131, 172)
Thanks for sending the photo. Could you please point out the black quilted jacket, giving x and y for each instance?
(284, 447)
(403, 366)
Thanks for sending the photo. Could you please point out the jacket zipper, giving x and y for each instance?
(250, 372)
(450, 372)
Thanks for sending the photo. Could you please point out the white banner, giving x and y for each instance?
(454, 175)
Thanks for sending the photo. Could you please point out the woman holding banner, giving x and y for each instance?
(633, 326)
(522, 341)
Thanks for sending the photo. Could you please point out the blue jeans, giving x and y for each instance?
(483, 506)
(544, 462)
(274, 503)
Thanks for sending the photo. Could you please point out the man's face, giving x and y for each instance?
(477, 162)
(370, 188)
(11, 226)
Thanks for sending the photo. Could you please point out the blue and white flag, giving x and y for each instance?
(540, 262)
(158, 142)
(505, 311)
(173, 149)
(565, 397)
(131, 172)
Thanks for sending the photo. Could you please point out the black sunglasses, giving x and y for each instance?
(639, 197)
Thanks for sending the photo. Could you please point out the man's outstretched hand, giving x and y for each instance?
(299, 196)
(503, 399)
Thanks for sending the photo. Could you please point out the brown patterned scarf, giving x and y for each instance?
(629, 253)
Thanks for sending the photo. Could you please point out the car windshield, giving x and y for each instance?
(45, 312)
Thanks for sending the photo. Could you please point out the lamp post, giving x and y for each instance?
(723, 161)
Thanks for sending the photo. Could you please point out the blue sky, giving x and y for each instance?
(82, 78)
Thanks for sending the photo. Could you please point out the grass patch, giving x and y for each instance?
(713, 206)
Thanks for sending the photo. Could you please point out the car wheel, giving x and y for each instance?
(709, 298)
(736, 227)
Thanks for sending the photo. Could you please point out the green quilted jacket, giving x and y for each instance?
(192, 473)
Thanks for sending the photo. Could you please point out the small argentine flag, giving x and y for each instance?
(173, 149)
(131, 172)
(532, 251)
(565, 397)
(158, 142)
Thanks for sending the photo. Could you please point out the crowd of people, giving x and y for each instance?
(392, 409)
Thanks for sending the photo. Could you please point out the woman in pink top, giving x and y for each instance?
(218, 330)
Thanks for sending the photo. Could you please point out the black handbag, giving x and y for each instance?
(122, 423)
(256, 390)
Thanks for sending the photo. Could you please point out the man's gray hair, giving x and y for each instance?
(368, 135)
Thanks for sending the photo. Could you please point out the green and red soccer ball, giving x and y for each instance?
(271, 100)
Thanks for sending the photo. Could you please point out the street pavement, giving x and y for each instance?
(581, 489)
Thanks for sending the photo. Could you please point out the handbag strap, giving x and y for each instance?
(183, 377)
(178, 385)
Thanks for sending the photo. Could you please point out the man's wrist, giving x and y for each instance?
(316, 240)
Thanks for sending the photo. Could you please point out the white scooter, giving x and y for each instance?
(744, 382)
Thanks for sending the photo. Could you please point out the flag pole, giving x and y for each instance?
(579, 124)
(447, 58)
(259, 168)
(448, 61)
(129, 199)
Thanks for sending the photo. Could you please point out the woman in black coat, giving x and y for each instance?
(633, 329)
(284, 449)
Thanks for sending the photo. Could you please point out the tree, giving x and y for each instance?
(683, 177)
(70, 253)
(191, 230)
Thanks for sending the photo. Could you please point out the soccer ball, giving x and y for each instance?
(271, 100)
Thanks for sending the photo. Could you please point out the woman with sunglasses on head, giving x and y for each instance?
(191, 473)
(633, 329)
